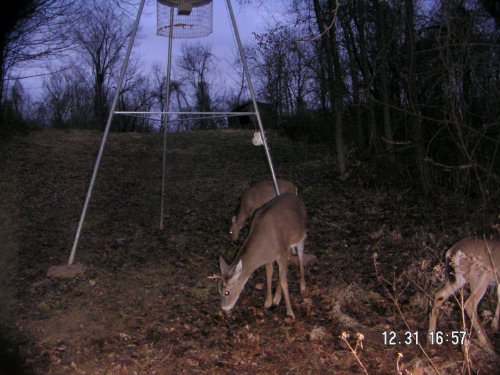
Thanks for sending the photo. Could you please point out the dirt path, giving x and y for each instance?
(145, 304)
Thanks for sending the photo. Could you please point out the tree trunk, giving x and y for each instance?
(366, 69)
(99, 100)
(339, 124)
(322, 78)
(3, 45)
(384, 86)
(413, 119)
(335, 85)
(356, 87)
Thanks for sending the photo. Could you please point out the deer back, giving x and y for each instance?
(263, 192)
(255, 197)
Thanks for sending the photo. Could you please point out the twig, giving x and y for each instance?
(393, 142)
(359, 342)
(419, 287)
(466, 345)
(400, 355)
(459, 167)
(326, 28)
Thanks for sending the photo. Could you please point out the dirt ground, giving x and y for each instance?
(145, 304)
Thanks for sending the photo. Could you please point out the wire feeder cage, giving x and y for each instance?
(192, 18)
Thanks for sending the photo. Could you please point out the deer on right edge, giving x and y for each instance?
(276, 227)
(476, 262)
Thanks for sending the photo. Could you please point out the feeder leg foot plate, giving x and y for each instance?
(66, 271)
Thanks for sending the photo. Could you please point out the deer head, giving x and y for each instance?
(232, 283)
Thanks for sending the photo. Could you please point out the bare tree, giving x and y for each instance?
(238, 91)
(197, 66)
(383, 45)
(178, 96)
(414, 118)
(327, 28)
(137, 94)
(67, 99)
(59, 94)
(31, 30)
(427, 85)
(20, 99)
(285, 67)
(100, 37)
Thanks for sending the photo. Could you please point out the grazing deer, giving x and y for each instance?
(475, 262)
(255, 197)
(276, 226)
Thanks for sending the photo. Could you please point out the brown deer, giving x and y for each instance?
(254, 197)
(275, 228)
(476, 262)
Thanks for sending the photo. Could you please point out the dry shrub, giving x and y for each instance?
(318, 334)
(428, 273)
(426, 280)
(352, 297)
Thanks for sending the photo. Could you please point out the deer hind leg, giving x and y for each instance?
(300, 252)
(277, 295)
(494, 323)
(283, 269)
(478, 286)
(441, 297)
(269, 284)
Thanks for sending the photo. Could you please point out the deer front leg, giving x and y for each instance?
(494, 323)
(477, 292)
(269, 285)
(441, 296)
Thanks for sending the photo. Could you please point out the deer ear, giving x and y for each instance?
(223, 265)
(238, 269)
(233, 220)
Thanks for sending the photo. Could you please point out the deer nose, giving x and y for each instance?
(227, 310)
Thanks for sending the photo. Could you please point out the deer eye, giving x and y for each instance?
(226, 293)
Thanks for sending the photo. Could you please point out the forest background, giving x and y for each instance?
(409, 84)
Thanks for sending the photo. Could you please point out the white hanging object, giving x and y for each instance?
(257, 139)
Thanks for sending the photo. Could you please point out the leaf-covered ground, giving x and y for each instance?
(145, 304)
